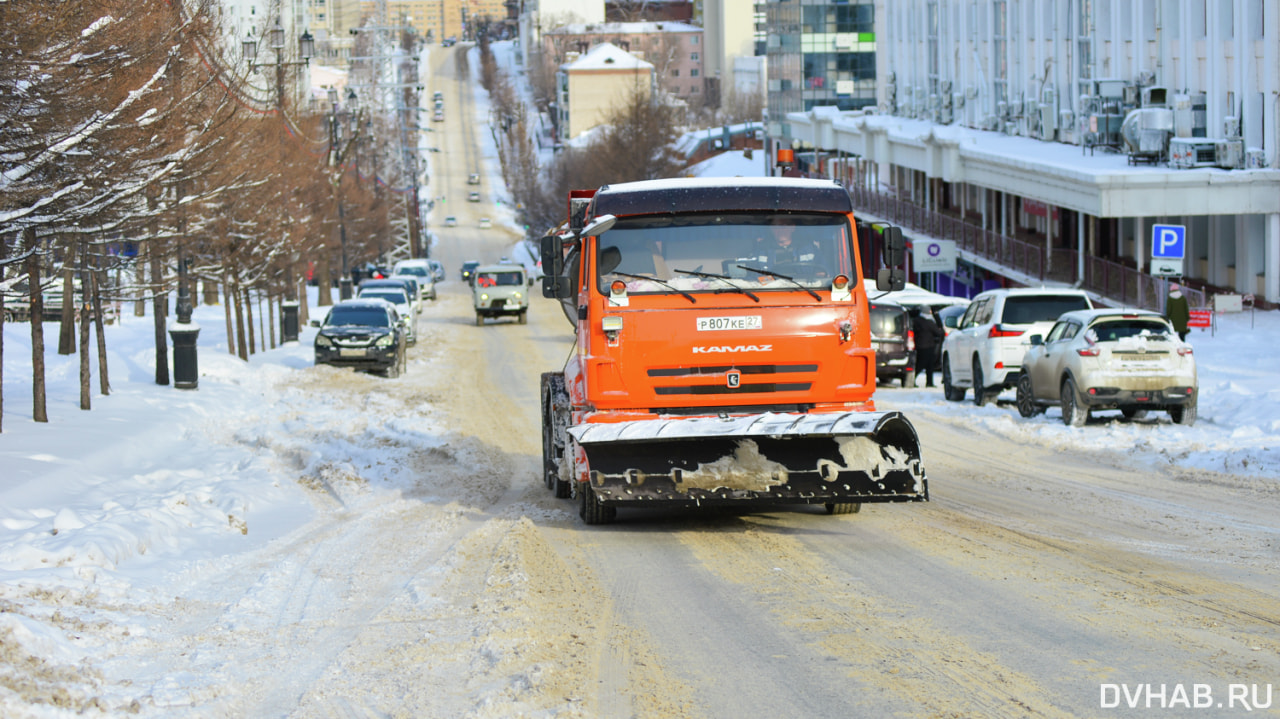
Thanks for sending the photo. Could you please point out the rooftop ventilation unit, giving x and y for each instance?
(1231, 127)
(1146, 134)
(1155, 97)
(1229, 154)
(1188, 152)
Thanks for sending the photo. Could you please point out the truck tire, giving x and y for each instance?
(555, 406)
(843, 507)
(479, 320)
(590, 509)
(523, 319)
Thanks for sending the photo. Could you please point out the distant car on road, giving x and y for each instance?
(485, 223)
(894, 342)
(1130, 360)
(473, 197)
(501, 291)
(438, 116)
(473, 179)
(468, 269)
(450, 221)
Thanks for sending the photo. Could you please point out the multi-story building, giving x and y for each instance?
(820, 53)
(331, 23)
(730, 33)
(539, 16)
(675, 50)
(1072, 142)
(590, 87)
(440, 19)
(254, 20)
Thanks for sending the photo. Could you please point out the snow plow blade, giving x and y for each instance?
(772, 458)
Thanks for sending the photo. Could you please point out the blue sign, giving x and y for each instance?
(1168, 242)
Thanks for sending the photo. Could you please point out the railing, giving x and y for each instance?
(1119, 284)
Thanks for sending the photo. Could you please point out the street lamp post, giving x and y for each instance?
(306, 50)
(335, 161)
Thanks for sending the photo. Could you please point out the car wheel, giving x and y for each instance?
(1183, 414)
(1133, 412)
(1074, 412)
(393, 371)
(479, 320)
(590, 508)
(1027, 406)
(980, 394)
(950, 391)
(523, 319)
(843, 507)
(909, 379)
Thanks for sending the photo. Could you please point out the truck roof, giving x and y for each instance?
(685, 194)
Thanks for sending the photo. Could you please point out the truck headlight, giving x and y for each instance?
(484, 296)
(516, 295)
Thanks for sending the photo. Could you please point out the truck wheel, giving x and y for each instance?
(843, 507)
(949, 390)
(590, 509)
(523, 319)
(1074, 412)
(479, 320)
(555, 404)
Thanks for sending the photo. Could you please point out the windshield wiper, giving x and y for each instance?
(792, 280)
(664, 283)
(725, 278)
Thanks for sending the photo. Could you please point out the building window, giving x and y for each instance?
(693, 39)
(693, 90)
(675, 72)
(693, 56)
(693, 72)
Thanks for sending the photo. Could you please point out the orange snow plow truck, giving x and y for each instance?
(723, 351)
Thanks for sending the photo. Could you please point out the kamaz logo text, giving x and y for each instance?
(715, 349)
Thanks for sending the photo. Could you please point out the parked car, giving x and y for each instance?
(1130, 360)
(450, 221)
(473, 197)
(473, 179)
(364, 334)
(893, 340)
(422, 271)
(410, 285)
(984, 352)
(485, 223)
(437, 270)
(501, 291)
(437, 116)
(468, 269)
(399, 297)
(950, 317)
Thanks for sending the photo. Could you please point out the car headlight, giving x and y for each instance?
(323, 341)
(385, 341)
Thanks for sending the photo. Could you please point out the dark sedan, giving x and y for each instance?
(363, 334)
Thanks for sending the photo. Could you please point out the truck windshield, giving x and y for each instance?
(499, 279)
(705, 253)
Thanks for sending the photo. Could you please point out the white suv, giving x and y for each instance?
(420, 270)
(985, 350)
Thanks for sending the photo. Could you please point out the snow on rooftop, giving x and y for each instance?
(622, 28)
(607, 56)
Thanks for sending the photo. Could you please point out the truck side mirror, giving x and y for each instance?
(894, 248)
(552, 266)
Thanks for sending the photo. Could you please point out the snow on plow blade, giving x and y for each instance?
(777, 458)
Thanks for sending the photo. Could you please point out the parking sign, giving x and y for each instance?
(1168, 242)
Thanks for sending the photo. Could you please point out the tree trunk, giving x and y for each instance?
(67, 321)
(140, 304)
(38, 411)
(230, 304)
(3, 255)
(242, 347)
(84, 354)
(272, 308)
(324, 281)
(248, 315)
(160, 307)
(303, 315)
(209, 289)
(103, 383)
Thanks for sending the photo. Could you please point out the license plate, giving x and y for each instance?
(344, 352)
(713, 324)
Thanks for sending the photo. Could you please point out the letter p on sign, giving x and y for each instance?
(1168, 242)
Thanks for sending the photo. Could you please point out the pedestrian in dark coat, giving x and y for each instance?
(928, 336)
(1176, 310)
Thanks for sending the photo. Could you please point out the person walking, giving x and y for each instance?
(928, 336)
(1176, 310)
